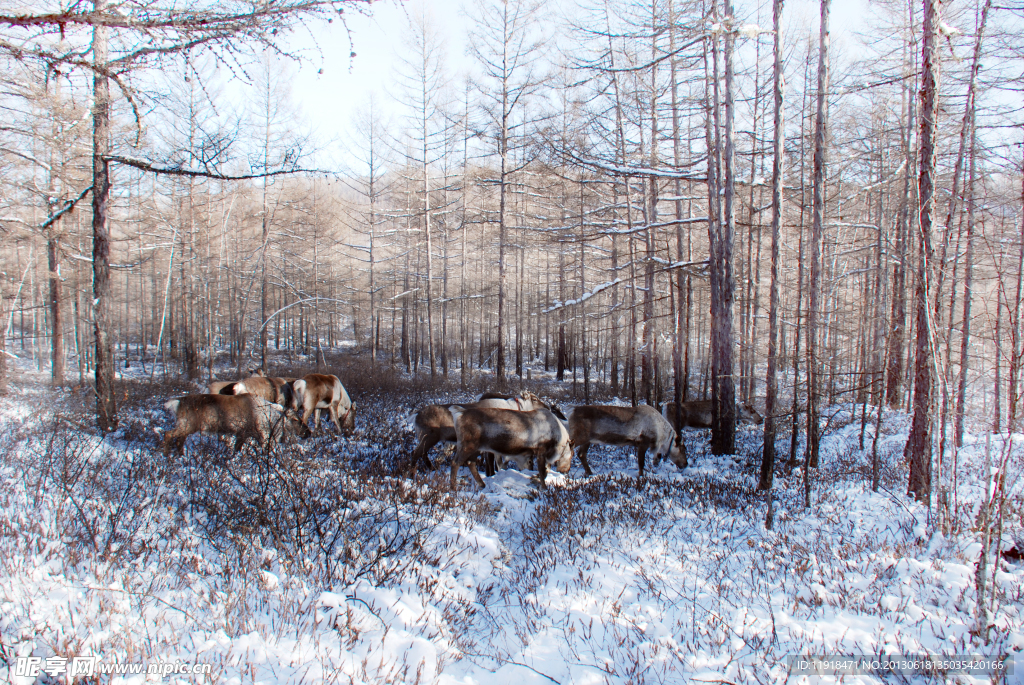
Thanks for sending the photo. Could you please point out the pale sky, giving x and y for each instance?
(328, 92)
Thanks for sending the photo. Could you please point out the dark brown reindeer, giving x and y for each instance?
(642, 427)
(511, 434)
(697, 414)
(243, 416)
(434, 422)
(316, 391)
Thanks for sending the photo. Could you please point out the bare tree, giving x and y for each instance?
(506, 44)
(918, 449)
(817, 225)
(771, 382)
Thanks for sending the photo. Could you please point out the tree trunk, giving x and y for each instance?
(430, 255)
(720, 232)
(918, 449)
(794, 436)
(502, 229)
(965, 324)
(817, 224)
(771, 383)
(106, 406)
(907, 215)
(56, 322)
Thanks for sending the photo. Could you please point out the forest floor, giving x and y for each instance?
(316, 563)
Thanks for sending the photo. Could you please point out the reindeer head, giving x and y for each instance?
(297, 426)
(748, 414)
(286, 425)
(348, 420)
(529, 398)
(677, 453)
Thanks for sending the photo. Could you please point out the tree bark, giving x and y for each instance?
(771, 383)
(106, 405)
(56, 321)
(898, 319)
(817, 224)
(918, 450)
(965, 323)
(723, 388)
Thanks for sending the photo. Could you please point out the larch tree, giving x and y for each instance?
(422, 79)
(918, 450)
(506, 44)
(778, 159)
(817, 226)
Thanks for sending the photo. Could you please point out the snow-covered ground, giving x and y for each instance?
(316, 564)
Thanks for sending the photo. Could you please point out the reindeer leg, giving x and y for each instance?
(489, 467)
(476, 474)
(584, 448)
(457, 461)
(173, 443)
(333, 409)
(542, 468)
(420, 453)
(641, 455)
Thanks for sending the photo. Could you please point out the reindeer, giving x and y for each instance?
(512, 434)
(244, 416)
(434, 423)
(226, 387)
(317, 391)
(642, 427)
(697, 414)
(218, 387)
(270, 388)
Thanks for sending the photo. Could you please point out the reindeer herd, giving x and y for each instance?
(494, 430)
(265, 408)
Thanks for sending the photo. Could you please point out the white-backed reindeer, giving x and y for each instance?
(434, 422)
(316, 391)
(512, 434)
(641, 427)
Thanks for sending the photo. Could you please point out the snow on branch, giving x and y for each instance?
(586, 296)
(619, 170)
(68, 206)
(660, 224)
(53, 218)
(175, 19)
(203, 173)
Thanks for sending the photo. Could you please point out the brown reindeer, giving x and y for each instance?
(434, 423)
(697, 414)
(226, 387)
(244, 416)
(218, 387)
(642, 427)
(317, 391)
(511, 434)
(271, 388)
